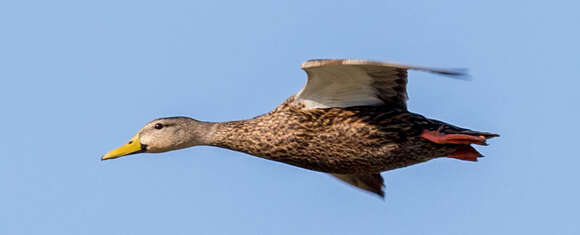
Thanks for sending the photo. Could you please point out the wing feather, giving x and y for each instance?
(347, 83)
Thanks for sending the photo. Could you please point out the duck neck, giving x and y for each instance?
(244, 136)
(195, 133)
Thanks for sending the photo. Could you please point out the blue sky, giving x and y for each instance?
(80, 78)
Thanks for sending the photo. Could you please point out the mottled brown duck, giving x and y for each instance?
(349, 120)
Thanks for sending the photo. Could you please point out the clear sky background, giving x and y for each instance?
(79, 78)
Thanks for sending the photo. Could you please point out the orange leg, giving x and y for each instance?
(466, 153)
(464, 150)
(440, 138)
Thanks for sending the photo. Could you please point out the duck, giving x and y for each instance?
(350, 120)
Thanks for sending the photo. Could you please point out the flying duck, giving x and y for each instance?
(350, 120)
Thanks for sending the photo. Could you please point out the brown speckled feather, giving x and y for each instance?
(336, 140)
(356, 140)
(350, 120)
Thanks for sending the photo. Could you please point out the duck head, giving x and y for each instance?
(162, 135)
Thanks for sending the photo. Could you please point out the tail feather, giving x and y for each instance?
(446, 128)
(487, 135)
(444, 133)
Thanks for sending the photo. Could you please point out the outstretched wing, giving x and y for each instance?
(347, 83)
(373, 183)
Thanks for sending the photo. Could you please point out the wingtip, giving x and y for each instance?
(457, 73)
(460, 73)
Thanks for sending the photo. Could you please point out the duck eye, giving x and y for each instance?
(158, 126)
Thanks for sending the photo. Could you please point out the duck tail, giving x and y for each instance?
(463, 138)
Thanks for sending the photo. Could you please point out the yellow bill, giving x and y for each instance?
(133, 146)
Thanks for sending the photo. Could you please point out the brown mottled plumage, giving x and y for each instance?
(350, 120)
(334, 140)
